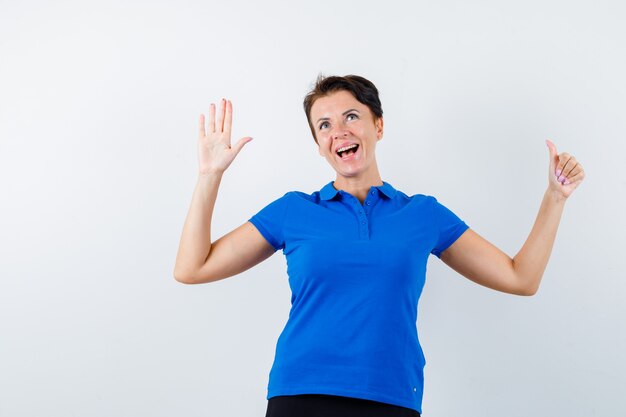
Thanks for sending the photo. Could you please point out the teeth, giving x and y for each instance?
(345, 148)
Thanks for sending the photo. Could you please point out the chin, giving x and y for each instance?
(346, 170)
(348, 173)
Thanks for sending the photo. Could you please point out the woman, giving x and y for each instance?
(356, 252)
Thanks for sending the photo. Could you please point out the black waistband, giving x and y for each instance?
(323, 405)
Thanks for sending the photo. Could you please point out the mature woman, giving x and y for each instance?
(356, 252)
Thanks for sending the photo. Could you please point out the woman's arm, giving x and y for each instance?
(198, 260)
(477, 259)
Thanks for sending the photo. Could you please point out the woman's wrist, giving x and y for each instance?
(555, 196)
(210, 179)
(210, 173)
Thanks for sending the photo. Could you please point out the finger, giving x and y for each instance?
(563, 160)
(569, 168)
(228, 121)
(240, 144)
(219, 127)
(554, 159)
(212, 118)
(576, 178)
(202, 131)
(577, 170)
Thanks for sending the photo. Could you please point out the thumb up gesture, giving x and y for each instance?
(565, 173)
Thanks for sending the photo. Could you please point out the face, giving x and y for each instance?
(346, 133)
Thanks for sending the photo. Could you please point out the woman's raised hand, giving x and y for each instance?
(215, 152)
(565, 172)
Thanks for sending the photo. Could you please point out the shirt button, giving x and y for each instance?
(368, 203)
(362, 222)
(372, 193)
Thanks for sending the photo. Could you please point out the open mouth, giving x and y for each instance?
(347, 150)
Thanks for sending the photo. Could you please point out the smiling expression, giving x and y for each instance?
(346, 133)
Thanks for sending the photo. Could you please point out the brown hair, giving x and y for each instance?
(362, 89)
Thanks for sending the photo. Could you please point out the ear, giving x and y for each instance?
(379, 128)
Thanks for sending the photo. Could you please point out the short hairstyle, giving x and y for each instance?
(362, 89)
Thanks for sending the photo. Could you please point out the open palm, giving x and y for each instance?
(215, 153)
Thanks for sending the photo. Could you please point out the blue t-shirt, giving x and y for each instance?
(356, 272)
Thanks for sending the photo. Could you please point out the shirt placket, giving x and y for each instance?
(363, 213)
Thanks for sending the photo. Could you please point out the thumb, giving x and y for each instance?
(554, 157)
(240, 143)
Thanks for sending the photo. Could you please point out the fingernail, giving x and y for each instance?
(561, 178)
(566, 182)
(558, 173)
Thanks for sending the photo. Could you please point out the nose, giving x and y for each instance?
(339, 134)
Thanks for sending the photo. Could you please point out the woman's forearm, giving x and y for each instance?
(195, 242)
(530, 262)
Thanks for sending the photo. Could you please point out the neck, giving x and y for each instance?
(358, 186)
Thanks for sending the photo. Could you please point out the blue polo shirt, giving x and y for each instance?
(356, 272)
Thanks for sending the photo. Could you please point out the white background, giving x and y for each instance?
(99, 102)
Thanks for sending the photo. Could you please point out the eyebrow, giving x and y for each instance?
(343, 114)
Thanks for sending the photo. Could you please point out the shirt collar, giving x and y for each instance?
(328, 192)
(387, 190)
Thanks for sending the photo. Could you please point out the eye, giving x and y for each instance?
(351, 115)
(322, 125)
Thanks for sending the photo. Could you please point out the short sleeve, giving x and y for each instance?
(449, 226)
(270, 221)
